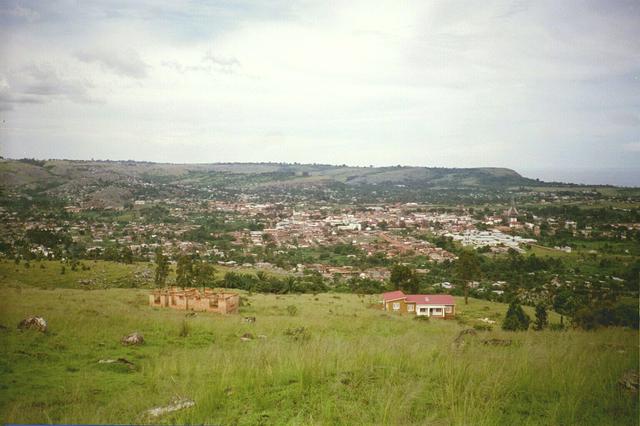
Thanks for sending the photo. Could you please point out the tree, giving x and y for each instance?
(203, 274)
(467, 269)
(162, 268)
(184, 271)
(404, 278)
(565, 303)
(126, 255)
(542, 319)
(516, 319)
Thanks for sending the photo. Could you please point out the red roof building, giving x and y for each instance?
(431, 305)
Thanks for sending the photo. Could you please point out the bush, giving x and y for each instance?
(422, 318)
(292, 310)
(298, 334)
(621, 314)
(557, 327)
(184, 329)
(482, 327)
(516, 319)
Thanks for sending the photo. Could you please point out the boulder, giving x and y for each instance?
(246, 337)
(133, 339)
(33, 323)
(175, 405)
(630, 380)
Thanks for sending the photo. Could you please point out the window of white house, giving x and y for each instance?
(396, 306)
(409, 308)
(423, 310)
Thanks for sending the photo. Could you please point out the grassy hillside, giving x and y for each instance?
(68, 175)
(352, 364)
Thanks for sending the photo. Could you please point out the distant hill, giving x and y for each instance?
(114, 183)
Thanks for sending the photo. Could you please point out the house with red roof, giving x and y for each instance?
(430, 305)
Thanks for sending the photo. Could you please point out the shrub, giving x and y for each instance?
(422, 318)
(516, 319)
(482, 327)
(184, 329)
(557, 327)
(298, 334)
(292, 310)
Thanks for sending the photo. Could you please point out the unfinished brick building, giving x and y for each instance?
(192, 299)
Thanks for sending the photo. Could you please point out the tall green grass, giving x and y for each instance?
(358, 366)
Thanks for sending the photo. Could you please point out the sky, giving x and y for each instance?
(548, 88)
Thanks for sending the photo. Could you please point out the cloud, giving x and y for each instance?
(631, 147)
(125, 62)
(20, 12)
(40, 84)
(227, 65)
(209, 63)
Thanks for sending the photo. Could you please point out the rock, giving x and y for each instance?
(33, 323)
(497, 342)
(246, 337)
(630, 380)
(176, 404)
(133, 339)
(459, 340)
(119, 360)
(249, 319)
(191, 314)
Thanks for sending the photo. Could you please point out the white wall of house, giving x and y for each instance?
(428, 310)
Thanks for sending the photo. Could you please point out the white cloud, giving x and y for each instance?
(122, 61)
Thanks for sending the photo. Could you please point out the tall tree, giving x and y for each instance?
(404, 278)
(565, 303)
(162, 268)
(542, 319)
(467, 270)
(184, 271)
(203, 274)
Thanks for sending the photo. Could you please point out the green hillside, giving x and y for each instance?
(336, 360)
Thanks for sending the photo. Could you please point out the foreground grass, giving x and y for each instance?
(357, 365)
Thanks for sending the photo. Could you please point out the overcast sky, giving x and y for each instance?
(528, 85)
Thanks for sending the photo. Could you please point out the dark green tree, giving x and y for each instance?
(203, 274)
(516, 319)
(542, 319)
(467, 270)
(184, 271)
(126, 255)
(162, 268)
(404, 278)
(565, 303)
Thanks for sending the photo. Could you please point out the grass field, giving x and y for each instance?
(352, 364)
